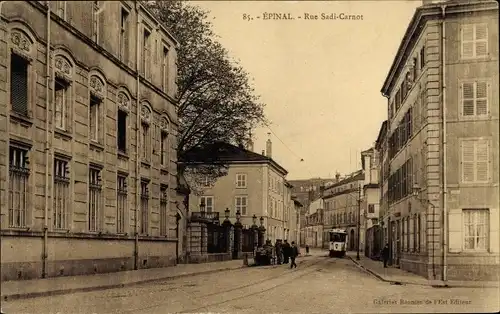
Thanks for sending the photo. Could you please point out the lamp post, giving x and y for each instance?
(226, 214)
(238, 235)
(262, 231)
(255, 230)
(202, 206)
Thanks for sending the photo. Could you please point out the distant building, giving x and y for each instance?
(255, 185)
(371, 200)
(441, 181)
(342, 208)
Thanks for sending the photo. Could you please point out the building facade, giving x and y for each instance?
(255, 185)
(88, 134)
(442, 130)
(370, 202)
(313, 228)
(343, 208)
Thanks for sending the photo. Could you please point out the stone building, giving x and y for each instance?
(370, 201)
(88, 134)
(342, 208)
(255, 184)
(442, 130)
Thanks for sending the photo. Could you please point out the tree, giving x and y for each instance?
(216, 100)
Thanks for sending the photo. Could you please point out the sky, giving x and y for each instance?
(320, 79)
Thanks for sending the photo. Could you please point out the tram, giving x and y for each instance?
(338, 242)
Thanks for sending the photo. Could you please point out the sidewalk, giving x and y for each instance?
(20, 289)
(398, 276)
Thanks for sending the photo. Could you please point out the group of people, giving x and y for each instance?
(286, 252)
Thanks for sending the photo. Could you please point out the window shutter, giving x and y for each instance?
(494, 236)
(481, 33)
(455, 225)
(481, 98)
(468, 99)
(468, 161)
(482, 161)
(467, 41)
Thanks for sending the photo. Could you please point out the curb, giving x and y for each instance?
(113, 286)
(369, 271)
(451, 285)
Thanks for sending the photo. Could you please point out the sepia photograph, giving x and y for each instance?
(249, 156)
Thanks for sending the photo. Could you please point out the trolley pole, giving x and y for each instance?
(359, 220)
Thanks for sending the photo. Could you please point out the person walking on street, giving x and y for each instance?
(385, 254)
(293, 255)
(286, 252)
(279, 252)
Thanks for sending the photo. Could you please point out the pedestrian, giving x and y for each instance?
(385, 254)
(286, 252)
(293, 254)
(279, 252)
(307, 249)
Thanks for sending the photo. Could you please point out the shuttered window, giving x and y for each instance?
(475, 98)
(475, 161)
(474, 40)
(19, 84)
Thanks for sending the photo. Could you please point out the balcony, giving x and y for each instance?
(205, 217)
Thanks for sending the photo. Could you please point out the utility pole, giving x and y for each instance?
(359, 219)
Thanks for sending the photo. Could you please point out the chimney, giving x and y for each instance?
(337, 177)
(269, 148)
(250, 143)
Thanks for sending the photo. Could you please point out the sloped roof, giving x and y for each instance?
(222, 153)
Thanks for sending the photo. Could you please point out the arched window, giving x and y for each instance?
(63, 79)
(146, 116)
(23, 52)
(97, 87)
(123, 102)
(165, 143)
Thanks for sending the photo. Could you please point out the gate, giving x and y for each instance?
(216, 240)
(247, 241)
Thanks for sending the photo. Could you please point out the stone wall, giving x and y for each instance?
(80, 255)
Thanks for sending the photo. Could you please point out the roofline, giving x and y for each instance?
(381, 133)
(228, 162)
(158, 23)
(433, 11)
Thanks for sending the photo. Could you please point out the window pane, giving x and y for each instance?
(19, 84)
(468, 32)
(481, 48)
(468, 49)
(481, 32)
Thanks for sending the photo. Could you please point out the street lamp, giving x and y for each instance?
(202, 206)
(238, 215)
(226, 212)
(262, 221)
(254, 218)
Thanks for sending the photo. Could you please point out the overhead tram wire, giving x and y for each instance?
(300, 158)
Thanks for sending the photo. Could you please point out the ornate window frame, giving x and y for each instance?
(22, 42)
(64, 70)
(146, 115)
(97, 90)
(123, 104)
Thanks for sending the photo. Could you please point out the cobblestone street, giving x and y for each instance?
(319, 284)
